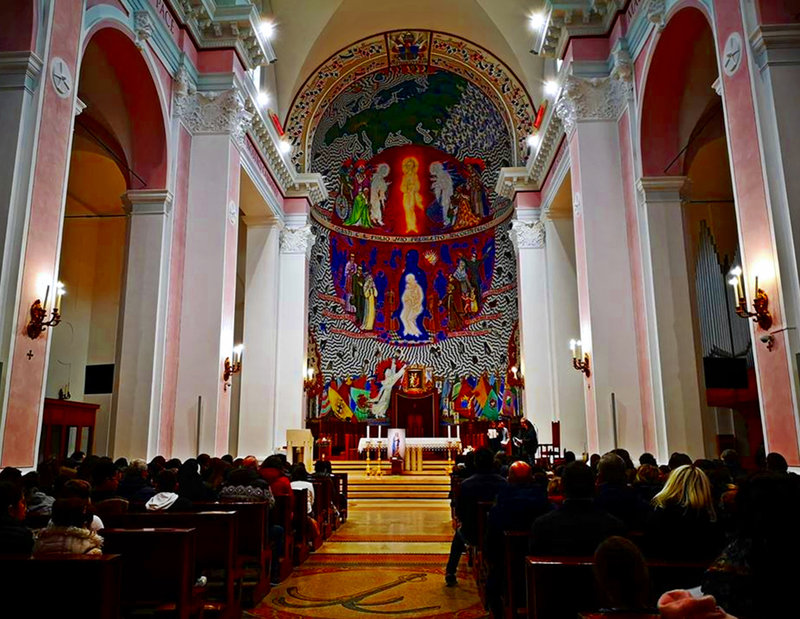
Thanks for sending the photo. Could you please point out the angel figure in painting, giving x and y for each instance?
(412, 306)
(381, 404)
(377, 194)
(442, 186)
(410, 188)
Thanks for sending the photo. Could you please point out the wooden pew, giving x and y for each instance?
(158, 570)
(480, 566)
(86, 586)
(281, 514)
(340, 481)
(254, 553)
(300, 549)
(216, 547)
(322, 505)
(564, 586)
(515, 604)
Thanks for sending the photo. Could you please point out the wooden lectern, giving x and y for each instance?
(300, 446)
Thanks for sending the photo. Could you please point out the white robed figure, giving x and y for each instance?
(442, 186)
(381, 404)
(412, 306)
(377, 194)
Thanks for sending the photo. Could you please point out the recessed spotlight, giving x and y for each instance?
(284, 146)
(267, 29)
(536, 21)
(550, 88)
(532, 140)
(262, 98)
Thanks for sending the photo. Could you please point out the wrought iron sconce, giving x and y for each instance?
(232, 368)
(38, 323)
(760, 315)
(580, 359)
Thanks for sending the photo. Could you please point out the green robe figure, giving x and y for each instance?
(359, 216)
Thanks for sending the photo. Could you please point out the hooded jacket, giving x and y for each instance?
(67, 540)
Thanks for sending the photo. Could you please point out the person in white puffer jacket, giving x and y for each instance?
(68, 531)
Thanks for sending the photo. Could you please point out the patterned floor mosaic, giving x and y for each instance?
(387, 560)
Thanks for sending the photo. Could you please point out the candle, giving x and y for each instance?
(367, 431)
(572, 345)
(379, 432)
(458, 432)
(448, 431)
(46, 294)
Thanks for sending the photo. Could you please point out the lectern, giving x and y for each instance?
(300, 446)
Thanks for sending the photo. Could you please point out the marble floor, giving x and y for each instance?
(387, 559)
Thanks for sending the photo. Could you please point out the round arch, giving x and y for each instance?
(120, 82)
(677, 88)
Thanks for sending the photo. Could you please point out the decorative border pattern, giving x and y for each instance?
(446, 51)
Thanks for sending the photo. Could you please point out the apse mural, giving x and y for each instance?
(412, 263)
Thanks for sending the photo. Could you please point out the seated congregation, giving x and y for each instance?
(608, 538)
(202, 537)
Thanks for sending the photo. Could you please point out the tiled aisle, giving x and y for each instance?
(388, 559)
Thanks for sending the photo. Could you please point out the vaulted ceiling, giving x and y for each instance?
(310, 31)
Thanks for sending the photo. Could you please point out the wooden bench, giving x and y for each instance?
(340, 481)
(323, 495)
(565, 586)
(282, 515)
(158, 567)
(254, 554)
(515, 602)
(215, 551)
(479, 565)
(300, 549)
(86, 586)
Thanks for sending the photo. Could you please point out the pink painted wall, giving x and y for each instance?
(528, 200)
(18, 25)
(295, 206)
(177, 259)
(637, 279)
(228, 302)
(42, 243)
(777, 405)
(592, 430)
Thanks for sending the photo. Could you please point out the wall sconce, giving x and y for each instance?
(516, 379)
(232, 368)
(580, 359)
(37, 323)
(308, 379)
(761, 315)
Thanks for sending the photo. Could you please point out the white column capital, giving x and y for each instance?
(596, 98)
(674, 189)
(211, 112)
(147, 202)
(297, 240)
(527, 235)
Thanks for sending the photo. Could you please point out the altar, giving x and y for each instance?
(415, 447)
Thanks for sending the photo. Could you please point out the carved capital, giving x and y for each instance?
(582, 99)
(527, 235)
(211, 112)
(297, 240)
(143, 27)
(656, 9)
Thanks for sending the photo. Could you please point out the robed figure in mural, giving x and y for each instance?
(377, 194)
(412, 306)
(442, 187)
(359, 216)
(349, 270)
(358, 294)
(370, 295)
(410, 188)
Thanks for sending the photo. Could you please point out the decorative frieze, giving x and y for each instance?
(527, 235)
(297, 240)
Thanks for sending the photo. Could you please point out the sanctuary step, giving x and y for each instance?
(433, 483)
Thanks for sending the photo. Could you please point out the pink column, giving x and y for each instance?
(756, 231)
(28, 360)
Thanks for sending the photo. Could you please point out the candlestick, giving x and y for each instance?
(367, 431)
(448, 431)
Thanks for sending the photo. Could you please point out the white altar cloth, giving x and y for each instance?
(431, 444)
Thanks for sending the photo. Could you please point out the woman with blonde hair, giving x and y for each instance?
(683, 522)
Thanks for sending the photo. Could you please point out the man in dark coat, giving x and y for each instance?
(578, 527)
(482, 486)
(15, 537)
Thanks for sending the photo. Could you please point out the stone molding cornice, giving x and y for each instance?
(573, 19)
(297, 240)
(550, 137)
(20, 70)
(512, 180)
(147, 202)
(217, 25)
(309, 185)
(527, 235)
(261, 221)
(775, 45)
(668, 189)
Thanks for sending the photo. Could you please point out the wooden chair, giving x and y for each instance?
(159, 570)
(56, 586)
(215, 555)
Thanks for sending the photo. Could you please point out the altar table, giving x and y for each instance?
(414, 448)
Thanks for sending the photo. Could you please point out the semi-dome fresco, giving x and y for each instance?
(412, 263)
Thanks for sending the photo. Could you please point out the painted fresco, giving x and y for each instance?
(412, 263)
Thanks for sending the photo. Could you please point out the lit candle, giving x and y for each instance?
(579, 348)
(379, 432)
(367, 431)
(448, 431)
(59, 294)
(46, 294)
(572, 345)
(458, 432)
(237, 353)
